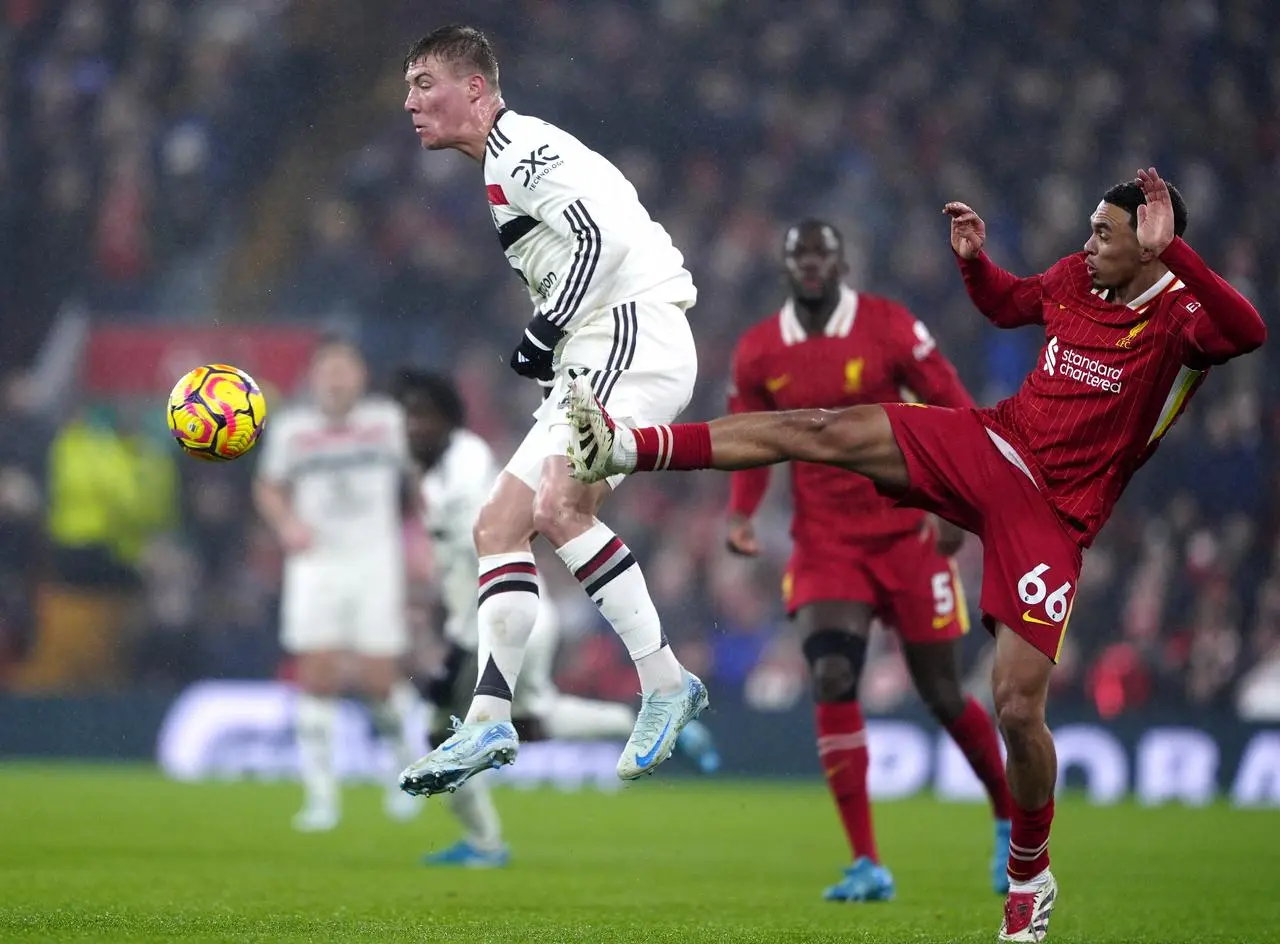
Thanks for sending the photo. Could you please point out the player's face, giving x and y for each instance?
(337, 380)
(427, 429)
(815, 262)
(1112, 253)
(439, 101)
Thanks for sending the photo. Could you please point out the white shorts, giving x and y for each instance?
(642, 362)
(333, 606)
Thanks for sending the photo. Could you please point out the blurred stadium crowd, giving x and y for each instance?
(180, 160)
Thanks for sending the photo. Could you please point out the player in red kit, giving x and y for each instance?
(856, 555)
(1132, 323)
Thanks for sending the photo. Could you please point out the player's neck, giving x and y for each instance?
(1147, 277)
(483, 115)
(813, 314)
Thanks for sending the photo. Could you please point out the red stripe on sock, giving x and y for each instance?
(842, 751)
(1029, 842)
(611, 547)
(506, 570)
(679, 446)
(975, 735)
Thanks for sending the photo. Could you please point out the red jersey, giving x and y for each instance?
(1111, 379)
(872, 350)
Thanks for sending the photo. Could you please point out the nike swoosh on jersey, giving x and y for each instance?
(774, 384)
(941, 621)
(1026, 615)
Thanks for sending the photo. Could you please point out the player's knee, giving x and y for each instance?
(944, 699)
(559, 514)
(1019, 711)
(496, 531)
(835, 658)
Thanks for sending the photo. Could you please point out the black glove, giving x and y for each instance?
(533, 358)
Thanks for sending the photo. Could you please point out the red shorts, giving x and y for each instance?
(911, 586)
(1030, 565)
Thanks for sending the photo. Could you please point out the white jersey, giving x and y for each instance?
(345, 477)
(454, 491)
(573, 227)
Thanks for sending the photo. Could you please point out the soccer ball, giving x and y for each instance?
(216, 412)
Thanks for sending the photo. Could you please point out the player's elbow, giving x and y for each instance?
(1254, 334)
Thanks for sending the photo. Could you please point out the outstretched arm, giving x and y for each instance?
(1223, 324)
(1004, 299)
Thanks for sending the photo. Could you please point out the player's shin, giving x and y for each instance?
(391, 718)
(581, 719)
(508, 595)
(975, 735)
(314, 721)
(609, 574)
(472, 805)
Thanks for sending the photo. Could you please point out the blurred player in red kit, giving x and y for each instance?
(857, 556)
(1132, 324)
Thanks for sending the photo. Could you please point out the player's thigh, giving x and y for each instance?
(311, 610)
(823, 588)
(378, 674)
(924, 598)
(505, 521)
(380, 627)
(320, 671)
(1030, 568)
(946, 458)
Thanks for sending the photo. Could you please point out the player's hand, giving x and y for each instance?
(294, 535)
(535, 356)
(948, 538)
(742, 537)
(1155, 219)
(968, 232)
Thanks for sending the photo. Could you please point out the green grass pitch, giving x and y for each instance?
(119, 854)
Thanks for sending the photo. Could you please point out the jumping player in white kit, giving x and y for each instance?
(330, 484)
(459, 473)
(610, 293)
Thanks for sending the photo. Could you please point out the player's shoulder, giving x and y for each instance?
(514, 135)
(294, 417)
(872, 305)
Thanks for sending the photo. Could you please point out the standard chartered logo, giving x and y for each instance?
(1051, 356)
(1086, 370)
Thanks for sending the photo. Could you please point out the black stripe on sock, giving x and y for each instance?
(600, 581)
(492, 683)
(508, 586)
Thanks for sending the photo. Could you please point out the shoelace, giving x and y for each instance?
(649, 720)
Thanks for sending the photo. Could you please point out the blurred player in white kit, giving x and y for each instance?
(460, 473)
(331, 483)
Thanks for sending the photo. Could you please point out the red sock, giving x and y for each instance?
(1029, 842)
(842, 751)
(679, 446)
(975, 735)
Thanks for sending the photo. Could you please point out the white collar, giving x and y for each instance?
(1165, 281)
(838, 325)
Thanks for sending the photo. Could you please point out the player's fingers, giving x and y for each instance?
(955, 210)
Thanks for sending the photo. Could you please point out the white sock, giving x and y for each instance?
(508, 606)
(581, 719)
(391, 720)
(1031, 884)
(472, 805)
(610, 575)
(314, 721)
